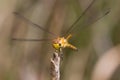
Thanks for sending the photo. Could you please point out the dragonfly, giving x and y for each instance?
(59, 43)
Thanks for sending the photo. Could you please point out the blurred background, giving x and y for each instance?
(98, 57)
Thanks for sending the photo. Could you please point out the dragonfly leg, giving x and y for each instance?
(68, 37)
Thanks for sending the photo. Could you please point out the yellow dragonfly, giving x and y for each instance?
(60, 43)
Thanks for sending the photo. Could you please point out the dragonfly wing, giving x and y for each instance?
(87, 17)
(25, 30)
(34, 40)
(97, 18)
(30, 22)
(77, 20)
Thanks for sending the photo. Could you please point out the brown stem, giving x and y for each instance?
(55, 66)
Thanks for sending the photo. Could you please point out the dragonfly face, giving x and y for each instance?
(61, 43)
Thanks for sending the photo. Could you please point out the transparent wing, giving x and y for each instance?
(24, 26)
(87, 17)
(77, 20)
(35, 25)
(91, 21)
(17, 39)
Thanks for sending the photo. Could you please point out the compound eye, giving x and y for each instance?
(59, 44)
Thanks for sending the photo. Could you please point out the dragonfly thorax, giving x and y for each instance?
(61, 43)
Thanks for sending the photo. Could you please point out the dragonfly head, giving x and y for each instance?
(58, 43)
(61, 43)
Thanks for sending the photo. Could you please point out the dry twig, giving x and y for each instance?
(55, 66)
